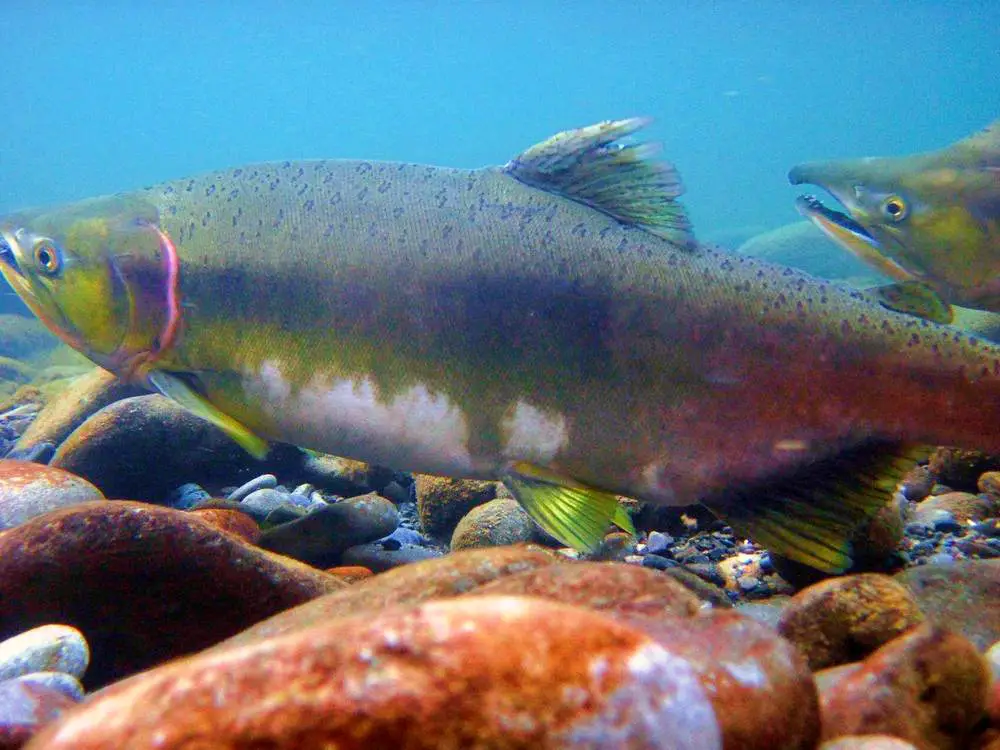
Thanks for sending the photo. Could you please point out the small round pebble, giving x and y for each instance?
(261, 502)
(48, 648)
(263, 482)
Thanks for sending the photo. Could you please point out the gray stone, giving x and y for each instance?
(260, 503)
(61, 682)
(264, 481)
(382, 555)
(49, 648)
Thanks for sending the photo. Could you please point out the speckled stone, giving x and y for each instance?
(442, 577)
(928, 686)
(143, 583)
(492, 524)
(442, 502)
(446, 674)
(28, 490)
(844, 619)
(963, 596)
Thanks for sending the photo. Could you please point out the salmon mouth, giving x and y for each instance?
(7, 258)
(827, 218)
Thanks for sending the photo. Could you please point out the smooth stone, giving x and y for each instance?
(83, 397)
(230, 521)
(928, 687)
(260, 502)
(350, 573)
(187, 496)
(615, 588)
(381, 556)
(844, 619)
(321, 537)
(963, 596)
(28, 490)
(438, 578)
(493, 524)
(761, 687)
(404, 535)
(39, 453)
(658, 542)
(47, 648)
(444, 674)
(442, 502)
(263, 482)
(144, 583)
(25, 707)
(280, 515)
(140, 446)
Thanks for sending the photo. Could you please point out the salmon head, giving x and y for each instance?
(100, 274)
(932, 217)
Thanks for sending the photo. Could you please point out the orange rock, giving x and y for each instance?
(843, 619)
(231, 521)
(928, 687)
(617, 588)
(503, 672)
(441, 577)
(761, 687)
(143, 583)
(350, 573)
(28, 489)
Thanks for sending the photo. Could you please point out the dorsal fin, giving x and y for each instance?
(985, 142)
(588, 166)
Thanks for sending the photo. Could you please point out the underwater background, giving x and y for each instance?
(103, 97)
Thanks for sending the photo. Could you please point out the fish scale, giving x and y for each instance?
(551, 323)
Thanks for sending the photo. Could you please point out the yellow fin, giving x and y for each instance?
(811, 515)
(913, 298)
(177, 390)
(576, 515)
(623, 520)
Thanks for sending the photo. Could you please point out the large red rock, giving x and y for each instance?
(499, 672)
(441, 577)
(617, 588)
(929, 687)
(143, 583)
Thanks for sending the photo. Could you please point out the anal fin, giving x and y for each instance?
(177, 390)
(576, 515)
(811, 515)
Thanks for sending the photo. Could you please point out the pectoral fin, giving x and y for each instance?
(576, 515)
(177, 390)
(913, 298)
(811, 515)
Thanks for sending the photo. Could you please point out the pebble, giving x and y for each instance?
(442, 502)
(386, 554)
(187, 496)
(493, 524)
(263, 482)
(657, 542)
(47, 648)
(586, 681)
(262, 501)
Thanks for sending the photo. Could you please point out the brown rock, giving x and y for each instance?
(761, 687)
(963, 506)
(963, 596)
(616, 588)
(143, 583)
(442, 577)
(960, 469)
(231, 521)
(350, 573)
(868, 742)
(918, 483)
(989, 484)
(928, 687)
(28, 489)
(493, 524)
(147, 445)
(499, 672)
(85, 396)
(844, 619)
(442, 502)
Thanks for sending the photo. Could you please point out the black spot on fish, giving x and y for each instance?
(190, 187)
(309, 205)
(362, 193)
(336, 198)
(726, 265)
(169, 190)
(328, 232)
(173, 210)
(279, 218)
(235, 220)
(822, 300)
(328, 179)
(442, 198)
(274, 183)
(579, 230)
(301, 172)
(384, 187)
(363, 168)
(286, 165)
(788, 272)
(914, 340)
(302, 190)
(397, 212)
(191, 230)
(205, 219)
(237, 172)
(446, 231)
(845, 328)
(210, 190)
(234, 193)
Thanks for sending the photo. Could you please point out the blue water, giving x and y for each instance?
(106, 96)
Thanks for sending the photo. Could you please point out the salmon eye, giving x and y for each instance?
(47, 257)
(894, 208)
